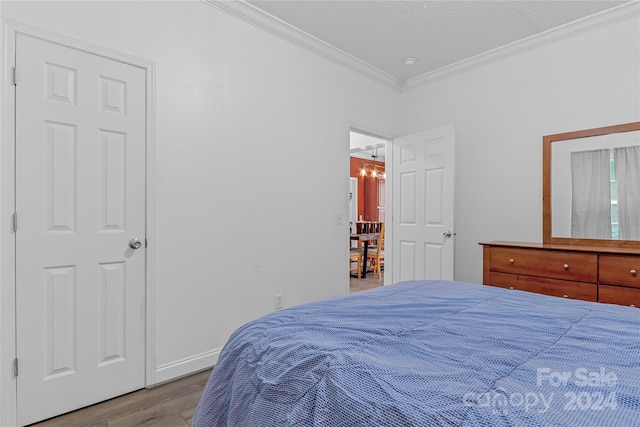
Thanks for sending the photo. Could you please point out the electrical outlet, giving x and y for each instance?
(278, 299)
(339, 218)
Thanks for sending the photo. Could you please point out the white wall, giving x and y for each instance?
(501, 112)
(245, 207)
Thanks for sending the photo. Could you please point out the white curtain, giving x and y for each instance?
(591, 194)
(627, 164)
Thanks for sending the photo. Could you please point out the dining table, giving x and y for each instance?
(365, 238)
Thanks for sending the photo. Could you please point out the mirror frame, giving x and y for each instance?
(546, 186)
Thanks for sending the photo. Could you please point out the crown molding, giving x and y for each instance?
(267, 22)
(572, 29)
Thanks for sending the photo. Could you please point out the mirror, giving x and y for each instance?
(591, 187)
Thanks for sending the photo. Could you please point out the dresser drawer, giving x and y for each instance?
(581, 267)
(620, 270)
(541, 285)
(619, 295)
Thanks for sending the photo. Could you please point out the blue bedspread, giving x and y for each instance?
(431, 353)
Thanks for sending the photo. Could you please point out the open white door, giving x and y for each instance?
(422, 220)
(80, 200)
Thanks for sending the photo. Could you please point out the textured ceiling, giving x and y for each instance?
(438, 33)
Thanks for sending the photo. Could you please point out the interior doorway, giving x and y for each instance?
(367, 200)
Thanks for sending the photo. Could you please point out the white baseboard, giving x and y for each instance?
(182, 367)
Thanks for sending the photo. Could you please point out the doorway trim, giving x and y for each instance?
(8, 350)
(388, 230)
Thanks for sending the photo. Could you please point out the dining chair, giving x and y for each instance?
(355, 255)
(375, 256)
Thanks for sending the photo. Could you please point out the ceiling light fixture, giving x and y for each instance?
(374, 171)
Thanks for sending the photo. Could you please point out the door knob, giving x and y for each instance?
(447, 234)
(135, 243)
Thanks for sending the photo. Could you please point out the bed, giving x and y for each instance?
(431, 353)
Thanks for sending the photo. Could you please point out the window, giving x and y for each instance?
(614, 197)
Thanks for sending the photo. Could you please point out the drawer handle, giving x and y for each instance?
(511, 261)
(565, 296)
(633, 273)
(566, 266)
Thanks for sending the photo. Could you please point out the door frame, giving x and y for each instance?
(8, 349)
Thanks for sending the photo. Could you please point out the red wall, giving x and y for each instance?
(367, 188)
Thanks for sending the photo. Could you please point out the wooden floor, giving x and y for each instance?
(371, 281)
(168, 405)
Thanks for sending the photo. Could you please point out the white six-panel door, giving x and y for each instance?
(422, 221)
(80, 200)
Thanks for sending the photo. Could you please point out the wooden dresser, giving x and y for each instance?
(592, 273)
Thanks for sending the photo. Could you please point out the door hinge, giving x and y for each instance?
(15, 222)
(15, 75)
(15, 367)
